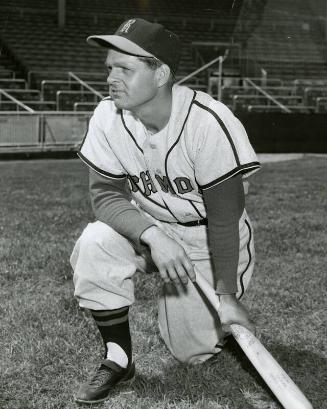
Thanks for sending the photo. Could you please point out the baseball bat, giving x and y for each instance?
(282, 386)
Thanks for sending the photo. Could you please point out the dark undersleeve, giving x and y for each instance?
(111, 205)
(225, 204)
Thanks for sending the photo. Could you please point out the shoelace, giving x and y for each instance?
(100, 377)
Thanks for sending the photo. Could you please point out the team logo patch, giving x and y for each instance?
(127, 26)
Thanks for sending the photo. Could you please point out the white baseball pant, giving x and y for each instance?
(104, 263)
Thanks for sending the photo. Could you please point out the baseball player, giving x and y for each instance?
(166, 168)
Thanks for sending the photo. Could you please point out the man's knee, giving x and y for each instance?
(103, 263)
(191, 354)
(193, 359)
(96, 234)
(95, 243)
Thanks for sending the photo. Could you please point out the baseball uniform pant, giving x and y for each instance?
(104, 263)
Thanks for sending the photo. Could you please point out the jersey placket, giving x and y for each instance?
(152, 159)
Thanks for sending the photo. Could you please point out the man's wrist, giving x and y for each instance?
(227, 297)
(149, 234)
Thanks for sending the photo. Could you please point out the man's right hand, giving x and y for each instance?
(171, 259)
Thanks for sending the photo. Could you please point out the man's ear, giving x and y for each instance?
(163, 75)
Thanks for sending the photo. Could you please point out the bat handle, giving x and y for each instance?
(207, 290)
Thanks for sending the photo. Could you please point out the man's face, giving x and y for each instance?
(132, 84)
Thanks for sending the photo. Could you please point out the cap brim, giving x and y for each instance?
(118, 42)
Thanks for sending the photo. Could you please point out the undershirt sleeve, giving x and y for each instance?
(225, 204)
(111, 205)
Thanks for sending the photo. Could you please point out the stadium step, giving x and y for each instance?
(24, 94)
(12, 83)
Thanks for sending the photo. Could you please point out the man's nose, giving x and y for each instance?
(112, 77)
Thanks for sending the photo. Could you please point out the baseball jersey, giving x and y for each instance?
(202, 145)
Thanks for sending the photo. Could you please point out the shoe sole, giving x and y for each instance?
(127, 380)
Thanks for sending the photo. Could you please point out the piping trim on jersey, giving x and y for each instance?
(223, 126)
(151, 200)
(130, 133)
(249, 262)
(167, 207)
(177, 140)
(88, 123)
(87, 130)
(98, 170)
(240, 169)
(196, 209)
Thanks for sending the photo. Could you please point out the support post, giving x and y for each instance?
(220, 77)
(61, 13)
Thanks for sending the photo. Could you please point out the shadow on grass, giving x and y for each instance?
(218, 381)
(305, 368)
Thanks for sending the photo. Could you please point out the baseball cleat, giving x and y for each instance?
(108, 375)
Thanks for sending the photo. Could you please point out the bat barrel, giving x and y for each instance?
(285, 390)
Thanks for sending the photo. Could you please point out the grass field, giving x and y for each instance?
(48, 345)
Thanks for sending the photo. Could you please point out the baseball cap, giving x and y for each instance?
(143, 39)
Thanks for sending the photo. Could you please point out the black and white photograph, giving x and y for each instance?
(163, 204)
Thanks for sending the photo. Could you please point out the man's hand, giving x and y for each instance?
(232, 311)
(173, 263)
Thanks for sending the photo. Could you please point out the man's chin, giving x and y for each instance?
(120, 104)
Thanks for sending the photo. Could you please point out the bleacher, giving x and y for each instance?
(280, 46)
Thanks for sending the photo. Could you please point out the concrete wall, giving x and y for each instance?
(284, 133)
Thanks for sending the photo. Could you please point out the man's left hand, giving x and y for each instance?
(232, 311)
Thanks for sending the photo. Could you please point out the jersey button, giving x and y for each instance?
(152, 146)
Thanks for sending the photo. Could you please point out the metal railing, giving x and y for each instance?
(62, 93)
(5, 72)
(32, 74)
(53, 130)
(85, 84)
(46, 85)
(219, 59)
(270, 97)
(16, 101)
(42, 131)
(14, 81)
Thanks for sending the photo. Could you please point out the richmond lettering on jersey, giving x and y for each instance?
(145, 183)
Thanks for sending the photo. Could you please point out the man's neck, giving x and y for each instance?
(156, 114)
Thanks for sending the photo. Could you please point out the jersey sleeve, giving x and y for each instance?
(95, 149)
(223, 148)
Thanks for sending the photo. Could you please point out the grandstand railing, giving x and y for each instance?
(198, 70)
(16, 101)
(270, 97)
(305, 109)
(193, 74)
(13, 81)
(47, 85)
(31, 130)
(321, 105)
(62, 95)
(85, 84)
(5, 73)
(42, 131)
(32, 74)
